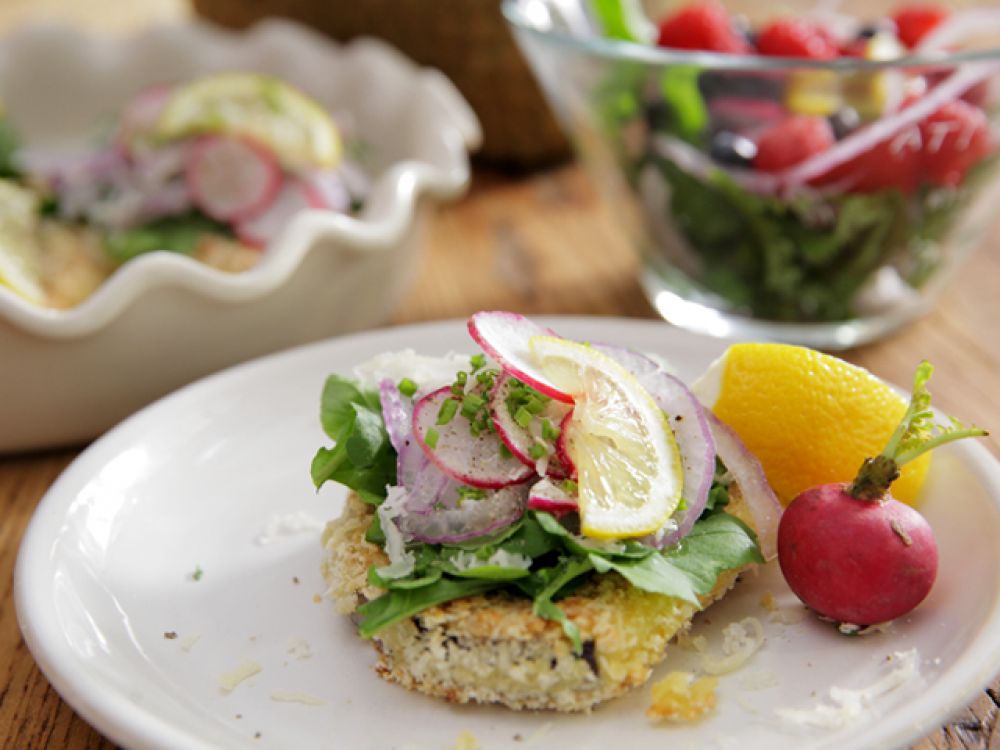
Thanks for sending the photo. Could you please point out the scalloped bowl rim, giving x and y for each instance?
(405, 181)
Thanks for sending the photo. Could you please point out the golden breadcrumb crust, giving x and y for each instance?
(491, 648)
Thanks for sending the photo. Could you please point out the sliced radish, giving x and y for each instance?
(471, 518)
(519, 440)
(259, 230)
(475, 460)
(549, 496)
(231, 179)
(747, 472)
(326, 189)
(562, 447)
(504, 336)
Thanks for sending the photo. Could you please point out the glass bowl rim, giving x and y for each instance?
(624, 51)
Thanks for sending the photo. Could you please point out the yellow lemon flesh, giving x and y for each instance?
(20, 256)
(809, 417)
(296, 128)
(628, 464)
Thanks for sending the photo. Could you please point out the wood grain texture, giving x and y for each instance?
(539, 244)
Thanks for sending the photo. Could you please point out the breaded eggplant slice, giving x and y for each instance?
(491, 648)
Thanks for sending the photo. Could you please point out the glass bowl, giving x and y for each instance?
(832, 251)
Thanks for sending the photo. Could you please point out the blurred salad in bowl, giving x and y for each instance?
(810, 177)
(213, 168)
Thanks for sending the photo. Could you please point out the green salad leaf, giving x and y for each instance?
(177, 234)
(362, 458)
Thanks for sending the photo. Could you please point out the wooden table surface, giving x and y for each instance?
(539, 244)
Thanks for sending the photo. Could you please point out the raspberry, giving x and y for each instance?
(955, 138)
(702, 26)
(792, 141)
(914, 22)
(793, 37)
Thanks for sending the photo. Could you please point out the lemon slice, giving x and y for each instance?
(295, 127)
(20, 261)
(629, 468)
(809, 417)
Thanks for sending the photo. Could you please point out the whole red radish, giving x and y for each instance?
(850, 551)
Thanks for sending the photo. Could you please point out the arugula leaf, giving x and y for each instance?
(178, 234)
(546, 584)
(715, 544)
(627, 549)
(654, 573)
(410, 582)
(10, 142)
(362, 458)
(398, 604)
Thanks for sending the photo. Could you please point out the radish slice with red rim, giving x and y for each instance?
(552, 497)
(231, 179)
(562, 447)
(519, 440)
(262, 228)
(747, 472)
(504, 336)
(475, 460)
(471, 518)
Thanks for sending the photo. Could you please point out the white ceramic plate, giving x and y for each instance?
(105, 571)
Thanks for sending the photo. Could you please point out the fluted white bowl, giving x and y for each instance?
(163, 320)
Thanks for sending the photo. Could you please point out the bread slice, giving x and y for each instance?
(491, 648)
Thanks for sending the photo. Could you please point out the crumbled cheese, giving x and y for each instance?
(299, 648)
(740, 641)
(788, 615)
(849, 628)
(849, 705)
(427, 372)
(680, 697)
(464, 560)
(401, 560)
(244, 671)
(286, 525)
(466, 741)
(306, 700)
(188, 643)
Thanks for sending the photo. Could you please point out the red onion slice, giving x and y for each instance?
(747, 472)
(471, 518)
(958, 27)
(475, 460)
(549, 496)
(397, 414)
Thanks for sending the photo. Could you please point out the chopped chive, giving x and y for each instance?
(505, 451)
(477, 361)
(549, 430)
(534, 405)
(537, 451)
(407, 387)
(457, 389)
(683, 504)
(462, 377)
(197, 574)
(471, 493)
(523, 417)
(569, 487)
(431, 438)
(447, 411)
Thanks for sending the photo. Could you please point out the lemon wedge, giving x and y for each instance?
(628, 464)
(20, 261)
(809, 417)
(296, 128)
